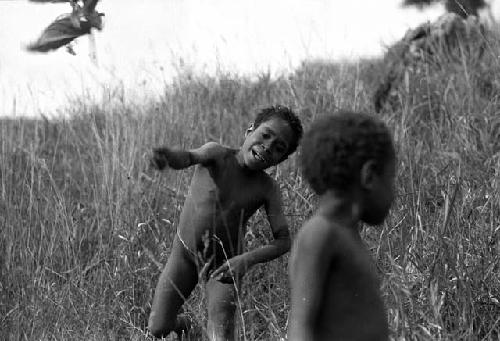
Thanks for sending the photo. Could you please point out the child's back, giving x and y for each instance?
(349, 298)
(348, 159)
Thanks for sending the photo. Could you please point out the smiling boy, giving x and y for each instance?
(228, 187)
(349, 161)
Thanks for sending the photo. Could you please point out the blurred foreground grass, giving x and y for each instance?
(85, 225)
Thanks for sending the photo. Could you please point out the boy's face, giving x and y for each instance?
(268, 144)
(379, 198)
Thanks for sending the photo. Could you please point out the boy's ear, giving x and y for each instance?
(249, 130)
(368, 174)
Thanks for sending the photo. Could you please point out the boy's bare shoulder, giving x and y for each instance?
(315, 232)
(215, 147)
(209, 152)
(320, 235)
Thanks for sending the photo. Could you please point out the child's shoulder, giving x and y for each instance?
(318, 233)
(214, 151)
(314, 232)
(215, 147)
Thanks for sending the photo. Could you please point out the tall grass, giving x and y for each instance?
(85, 226)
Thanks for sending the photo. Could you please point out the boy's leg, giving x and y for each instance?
(177, 280)
(221, 309)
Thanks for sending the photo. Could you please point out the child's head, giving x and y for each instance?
(348, 151)
(273, 136)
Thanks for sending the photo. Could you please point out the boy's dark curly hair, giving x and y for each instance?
(335, 148)
(285, 114)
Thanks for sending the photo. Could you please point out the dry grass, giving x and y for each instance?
(84, 223)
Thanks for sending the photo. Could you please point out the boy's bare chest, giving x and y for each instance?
(238, 191)
(229, 189)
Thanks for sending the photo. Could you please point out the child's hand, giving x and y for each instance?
(159, 158)
(232, 270)
(171, 158)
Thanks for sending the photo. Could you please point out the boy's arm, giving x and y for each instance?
(180, 159)
(279, 226)
(238, 265)
(311, 256)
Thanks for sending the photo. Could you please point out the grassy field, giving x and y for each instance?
(85, 226)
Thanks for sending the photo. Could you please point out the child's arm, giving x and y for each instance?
(280, 244)
(279, 227)
(309, 264)
(180, 159)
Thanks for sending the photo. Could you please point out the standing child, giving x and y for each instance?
(228, 187)
(349, 161)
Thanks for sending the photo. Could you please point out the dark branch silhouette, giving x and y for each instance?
(419, 3)
(89, 6)
(463, 8)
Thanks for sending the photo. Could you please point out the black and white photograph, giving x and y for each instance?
(244, 170)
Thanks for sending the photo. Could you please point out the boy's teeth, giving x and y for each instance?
(258, 156)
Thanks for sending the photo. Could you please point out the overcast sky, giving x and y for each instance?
(143, 43)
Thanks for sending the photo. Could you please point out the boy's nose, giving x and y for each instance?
(267, 147)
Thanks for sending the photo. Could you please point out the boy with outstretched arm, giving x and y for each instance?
(227, 188)
(349, 161)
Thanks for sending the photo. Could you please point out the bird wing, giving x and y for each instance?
(59, 33)
(45, 1)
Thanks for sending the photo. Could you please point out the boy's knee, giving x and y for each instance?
(162, 328)
(221, 320)
(156, 332)
(222, 300)
(222, 309)
(159, 328)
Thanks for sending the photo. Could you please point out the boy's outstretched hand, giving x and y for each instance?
(172, 158)
(233, 269)
(159, 159)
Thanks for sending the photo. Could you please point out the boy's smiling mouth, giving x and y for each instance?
(258, 156)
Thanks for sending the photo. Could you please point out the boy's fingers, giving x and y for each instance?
(219, 271)
(215, 273)
(226, 280)
(161, 151)
(157, 162)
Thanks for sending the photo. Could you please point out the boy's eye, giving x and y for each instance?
(266, 135)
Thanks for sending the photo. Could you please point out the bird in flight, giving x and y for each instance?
(67, 27)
